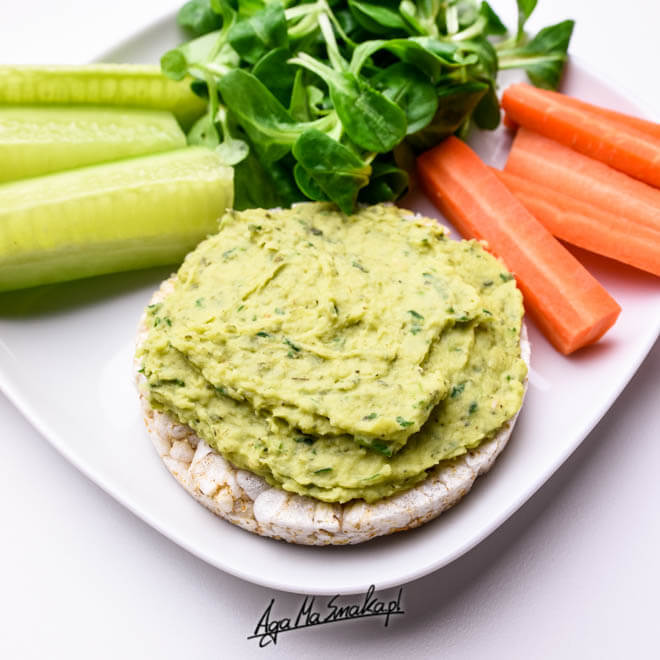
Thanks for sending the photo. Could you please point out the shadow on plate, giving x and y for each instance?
(612, 269)
(53, 299)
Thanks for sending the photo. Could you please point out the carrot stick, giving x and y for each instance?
(651, 128)
(624, 148)
(568, 304)
(586, 225)
(507, 122)
(551, 164)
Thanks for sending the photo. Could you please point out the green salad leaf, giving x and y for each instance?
(543, 57)
(198, 17)
(525, 9)
(330, 99)
(329, 170)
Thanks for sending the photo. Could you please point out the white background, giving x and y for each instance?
(573, 574)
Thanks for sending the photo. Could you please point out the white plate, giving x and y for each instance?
(65, 361)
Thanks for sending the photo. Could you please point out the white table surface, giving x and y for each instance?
(573, 574)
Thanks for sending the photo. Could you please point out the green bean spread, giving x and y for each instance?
(337, 356)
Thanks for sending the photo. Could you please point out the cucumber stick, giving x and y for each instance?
(126, 85)
(133, 213)
(35, 141)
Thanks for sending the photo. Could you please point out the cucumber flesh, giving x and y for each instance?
(36, 141)
(134, 213)
(126, 85)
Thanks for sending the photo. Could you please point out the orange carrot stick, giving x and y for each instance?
(624, 148)
(651, 128)
(507, 122)
(568, 304)
(537, 158)
(586, 225)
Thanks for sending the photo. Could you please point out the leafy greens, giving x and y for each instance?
(327, 99)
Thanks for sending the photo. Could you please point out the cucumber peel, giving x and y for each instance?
(38, 140)
(125, 85)
(134, 213)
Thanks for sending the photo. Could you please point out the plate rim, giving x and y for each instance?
(642, 350)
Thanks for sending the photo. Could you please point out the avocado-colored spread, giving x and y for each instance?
(337, 356)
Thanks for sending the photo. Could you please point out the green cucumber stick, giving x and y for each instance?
(134, 213)
(39, 140)
(125, 85)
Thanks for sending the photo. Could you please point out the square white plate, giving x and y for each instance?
(65, 361)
